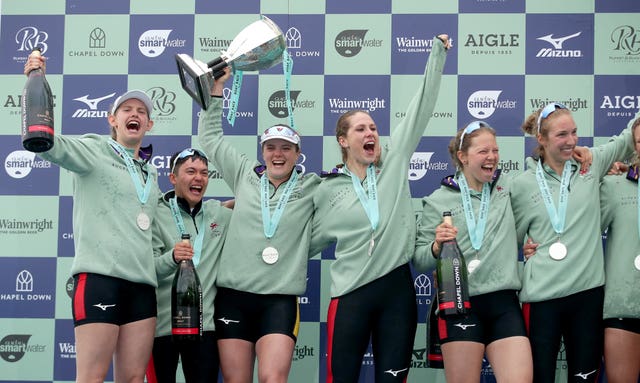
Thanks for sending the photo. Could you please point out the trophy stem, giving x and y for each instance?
(218, 67)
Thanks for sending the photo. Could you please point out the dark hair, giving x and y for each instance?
(175, 163)
(454, 144)
(342, 127)
(530, 126)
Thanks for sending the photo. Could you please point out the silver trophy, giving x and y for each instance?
(258, 46)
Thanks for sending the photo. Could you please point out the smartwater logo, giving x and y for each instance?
(14, 347)
(153, 42)
(420, 163)
(483, 103)
(19, 163)
(557, 49)
(350, 42)
(277, 103)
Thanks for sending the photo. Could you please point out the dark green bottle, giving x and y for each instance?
(186, 301)
(434, 352)
(453, 290)
(37, 111)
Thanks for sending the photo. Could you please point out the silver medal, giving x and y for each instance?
(473, 265)
(558, 251)
(270, 255)
(143, 221)
(636, 262)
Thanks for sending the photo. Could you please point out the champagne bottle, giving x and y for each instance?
(37, 111)
(434, 353)
(186, 301)
(453, 291)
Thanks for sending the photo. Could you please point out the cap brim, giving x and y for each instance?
(137, 94)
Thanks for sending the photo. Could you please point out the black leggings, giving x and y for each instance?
(200, 361)
(384, 311)
(577, 319)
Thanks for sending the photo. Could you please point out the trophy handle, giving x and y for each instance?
(217, 67)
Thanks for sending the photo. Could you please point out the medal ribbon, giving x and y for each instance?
(287, 69)
(270, 222)
(177, 218)
(370, 202)
(143, 192)
(235, 97)
(476, 229)
(557, 217)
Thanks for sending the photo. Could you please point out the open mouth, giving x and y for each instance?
(133, 126)
(196, 189)
(369, 147)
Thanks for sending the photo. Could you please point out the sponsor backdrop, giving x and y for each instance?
(508, 58)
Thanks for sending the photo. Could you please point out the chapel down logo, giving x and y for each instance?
(294, 44)
(24, 290)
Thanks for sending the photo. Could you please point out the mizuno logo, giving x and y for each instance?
(227, 321)
(583, 375)
(103, 307)
(396, 372)
(557, 43)
(464, 326)
(92, 103)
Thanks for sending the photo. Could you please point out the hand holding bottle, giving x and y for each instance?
(35, 61)
(444, 232)
(182, 251)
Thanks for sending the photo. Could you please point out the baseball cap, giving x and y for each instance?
(137, 94)
(282, 132)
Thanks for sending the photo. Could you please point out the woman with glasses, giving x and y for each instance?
(477, 196)
(619, 210)
(555, 205)
(183, 211)
(263, 266)
(114, 196)
(364, 206)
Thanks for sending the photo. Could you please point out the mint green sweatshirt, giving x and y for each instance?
(583, 268)
(498, 255)
(241, 265)
(166, 235)
(105, 206)
(619, 210)
(340, 217)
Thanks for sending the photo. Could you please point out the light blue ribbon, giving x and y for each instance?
(269, 222)
(369, 202)
(476, 229)
(177, 218)
(143, 192)
(557, 217)
(235, 96)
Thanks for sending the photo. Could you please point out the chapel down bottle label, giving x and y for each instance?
(186, 301)
(453, 290)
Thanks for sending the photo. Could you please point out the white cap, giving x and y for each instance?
(137, 94)
(282, 132)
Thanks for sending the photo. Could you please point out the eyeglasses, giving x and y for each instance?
(472, 127)
(189, 152)
(547, 110)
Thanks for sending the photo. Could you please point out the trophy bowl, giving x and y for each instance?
(258, 46)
